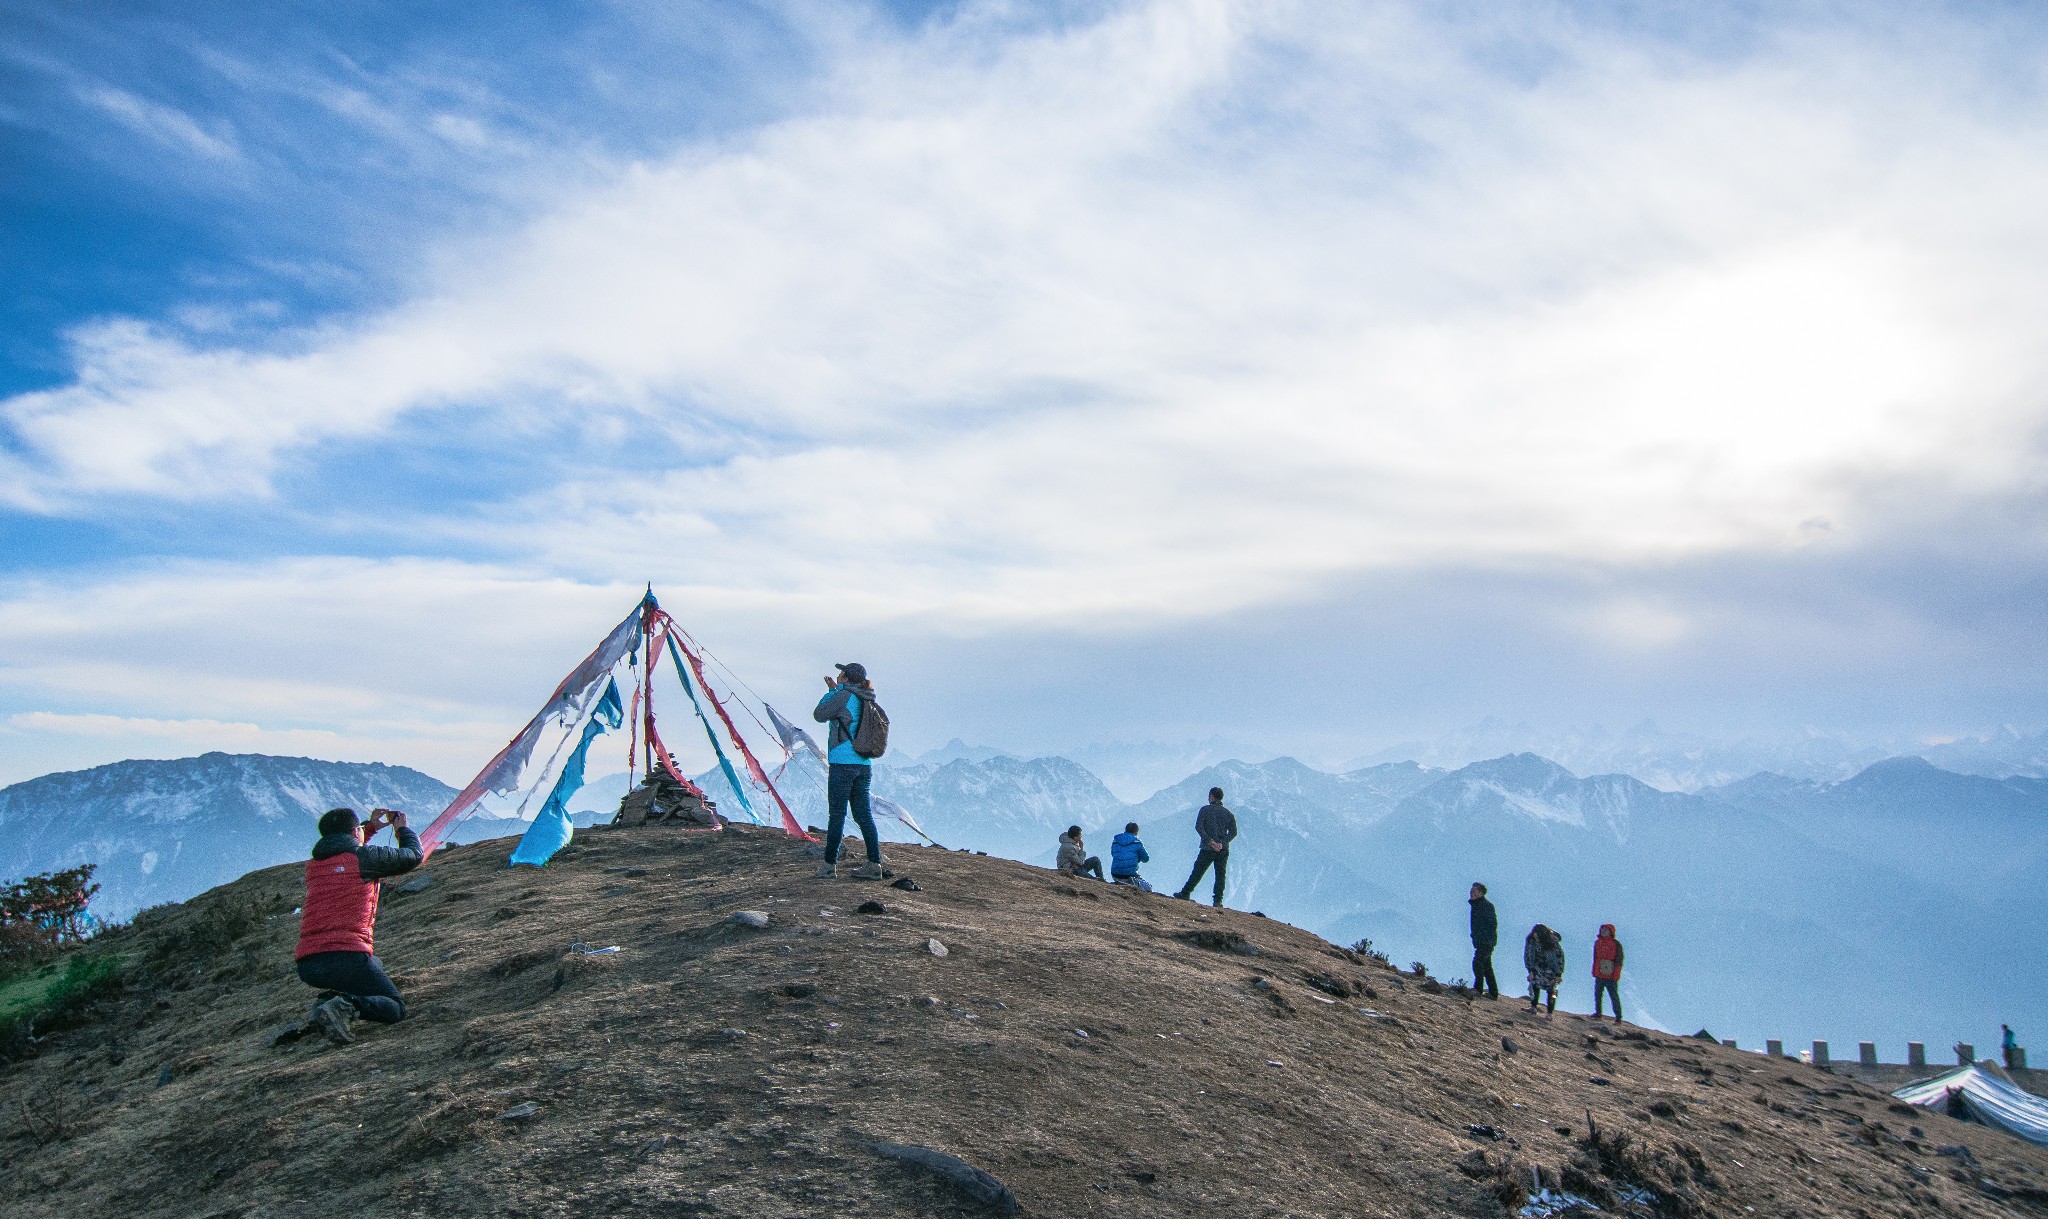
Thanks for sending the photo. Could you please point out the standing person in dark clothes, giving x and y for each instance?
(1543, 956)
(850, 775)
(1485, 934)
(1607, 971)
(337, 924)
(1215, 826)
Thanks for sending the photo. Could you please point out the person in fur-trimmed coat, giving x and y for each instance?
(1543, 956)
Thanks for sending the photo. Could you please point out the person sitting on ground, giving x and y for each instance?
(1216, 826)
(1125, 854)
(337, 924)
(1074, 858)
(1607, 971)
(1543, 956)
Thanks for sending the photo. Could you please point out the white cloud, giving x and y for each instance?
(164, 124)
(427, 664)
(1195, 308)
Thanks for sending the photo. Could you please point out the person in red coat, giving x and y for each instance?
(1607, 971)
(337, 951)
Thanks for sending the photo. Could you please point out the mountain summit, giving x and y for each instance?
(1000, 1038)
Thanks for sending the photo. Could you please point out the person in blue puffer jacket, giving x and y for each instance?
(1125, 854)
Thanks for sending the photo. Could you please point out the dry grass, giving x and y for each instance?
(712, 1070)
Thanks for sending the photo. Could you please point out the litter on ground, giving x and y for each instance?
(1550, 1202)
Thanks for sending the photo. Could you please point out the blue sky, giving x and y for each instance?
(1320, 375)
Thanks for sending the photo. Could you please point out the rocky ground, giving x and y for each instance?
(1095, 1050)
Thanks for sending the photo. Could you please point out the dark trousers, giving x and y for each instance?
(1091, 864)
(1482, 972)
(1222, 861)
(1608, 988)
(357, 977)
(847, 787)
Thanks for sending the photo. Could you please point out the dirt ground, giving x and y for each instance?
(1100, 1051)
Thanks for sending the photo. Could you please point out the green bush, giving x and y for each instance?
(57, 996)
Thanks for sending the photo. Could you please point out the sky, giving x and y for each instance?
(1315, 375)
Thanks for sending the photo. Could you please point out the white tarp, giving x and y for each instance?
(1980, 1096)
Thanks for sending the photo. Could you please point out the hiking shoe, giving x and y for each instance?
(333, 1017)
(868, 871)
(1180, 897)
(886, 861)
(826, 871)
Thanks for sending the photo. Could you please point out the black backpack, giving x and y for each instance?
(871, 736)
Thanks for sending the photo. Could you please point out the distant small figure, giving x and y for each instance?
(1074, 858)
(337, 923)
(1543, 956)
(2010, 1046)
(1125, 854)
(1606, 970)
(1485, 934)
(1216, 826)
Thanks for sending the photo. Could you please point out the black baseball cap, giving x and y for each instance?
(853, 672)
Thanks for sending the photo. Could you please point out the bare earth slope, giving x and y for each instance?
(711, 1069)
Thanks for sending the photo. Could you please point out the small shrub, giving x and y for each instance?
(54, 999)
(209, 928)
(40, 914)
(49, 1114)
(1418, 969)
(1365, 949)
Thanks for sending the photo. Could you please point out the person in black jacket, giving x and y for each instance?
(1215, 826)
(1485, 934)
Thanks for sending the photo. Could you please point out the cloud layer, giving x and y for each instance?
(1192, 312)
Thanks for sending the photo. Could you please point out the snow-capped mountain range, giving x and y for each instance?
(164, 830)
(1681, 761)
(1899, 902)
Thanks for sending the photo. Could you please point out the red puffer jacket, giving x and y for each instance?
(1607, 955)
(340, 914)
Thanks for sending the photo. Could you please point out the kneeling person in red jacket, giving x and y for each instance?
(336, 925)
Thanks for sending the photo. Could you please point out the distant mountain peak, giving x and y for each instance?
(1520, 768)
(1907, 764)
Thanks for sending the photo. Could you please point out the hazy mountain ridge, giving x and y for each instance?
(1770, 906)
(1691, 762)
(164, 830)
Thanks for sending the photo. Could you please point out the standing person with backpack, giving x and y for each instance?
(859, 734)
(1607, 971)
(1215, 825)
